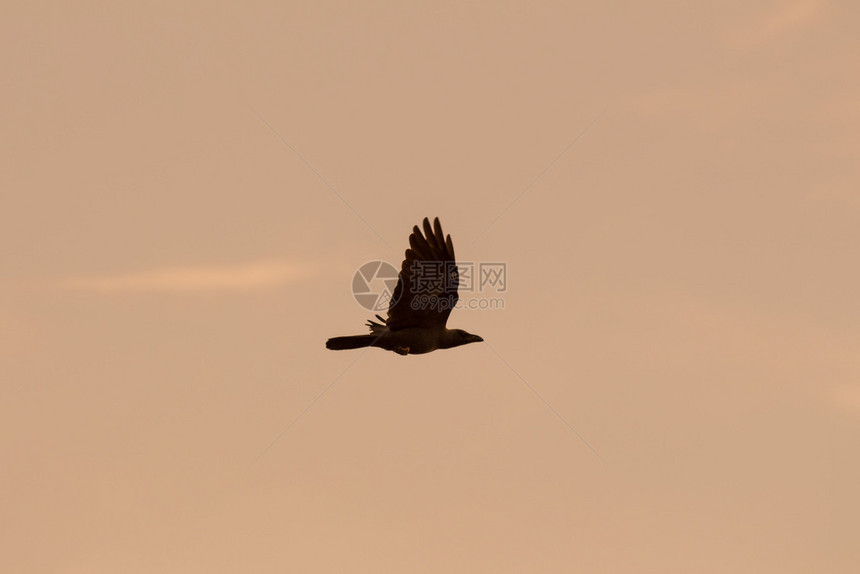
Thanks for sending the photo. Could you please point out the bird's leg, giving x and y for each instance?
(401, 350)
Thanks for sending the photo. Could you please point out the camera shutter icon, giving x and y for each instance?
(373, 285)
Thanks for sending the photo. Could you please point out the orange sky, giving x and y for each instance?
(682, 289)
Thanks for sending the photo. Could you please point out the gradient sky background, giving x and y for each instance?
(683, 287)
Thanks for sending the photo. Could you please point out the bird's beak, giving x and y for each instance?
(475, 339)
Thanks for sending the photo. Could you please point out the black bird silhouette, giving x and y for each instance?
(425, 294)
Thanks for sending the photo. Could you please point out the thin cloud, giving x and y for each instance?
(783, 21)
(792, 16)
(238, 278)
(847, 398)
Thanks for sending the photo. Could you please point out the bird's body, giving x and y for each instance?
(417, 315)
(417, 340)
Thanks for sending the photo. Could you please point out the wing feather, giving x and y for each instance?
(417, 303)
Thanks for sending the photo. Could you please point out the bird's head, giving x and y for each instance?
(461, 337)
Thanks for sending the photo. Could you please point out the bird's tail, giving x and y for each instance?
(351, 342)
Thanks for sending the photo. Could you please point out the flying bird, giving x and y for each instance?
(426, 292)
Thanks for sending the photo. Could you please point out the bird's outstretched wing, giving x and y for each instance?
(427, 289)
